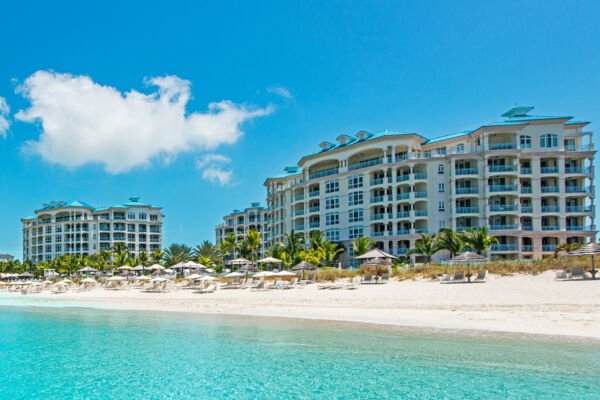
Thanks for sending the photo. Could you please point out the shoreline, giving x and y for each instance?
(530, 305)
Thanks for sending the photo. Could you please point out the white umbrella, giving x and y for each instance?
(209, 270)
(194, 276)
(168, 271)
(208, 278)
(142, 278)
(125, 268)
(88, 280)
(234, 275)
(115, 278)
(159, 279)
(284, 273)
(264, 274)
(65, 281)
(156, 267)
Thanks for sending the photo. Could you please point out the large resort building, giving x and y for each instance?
(78, 228)
(240, 222)
(528, 178)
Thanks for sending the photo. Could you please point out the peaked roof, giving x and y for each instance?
(375, 253)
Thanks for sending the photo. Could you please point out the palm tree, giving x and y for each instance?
(119, 248)
(566, 247)
(207, 251)
(177, 253)
(230, 244)
(316, 239)
(330, 252)
(362, 245)
(157, 256)
(122, 259)
(142, 258)
(295, 243)
(276, 251)
(478, 240)
(253, 241)
(452, 241)
(426, 246)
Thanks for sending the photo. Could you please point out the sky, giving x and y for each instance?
(191, 105)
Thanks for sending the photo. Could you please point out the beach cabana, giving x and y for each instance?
(269, 260)
(304, 266)
(590, 249)
(239, 261)
(87, 270)
(378, 263)
(468, 257)
(376, 253)
(26, 275)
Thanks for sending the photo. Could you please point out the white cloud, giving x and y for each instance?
(280, 91)
(4, 111)
(212, 166)
(85, 122)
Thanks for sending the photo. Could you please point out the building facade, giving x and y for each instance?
(240, 222)
(528, 178)
(78, 228)
(6, 257)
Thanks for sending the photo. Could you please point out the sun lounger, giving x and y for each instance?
(577, 273)
(385, 277)
(459, 276)
(311, 278)
(481, 276)
(260, 285)
(324, 286)
(368, 278)
(446, 278)
(209, 289)
(337, 285)
(561, 274)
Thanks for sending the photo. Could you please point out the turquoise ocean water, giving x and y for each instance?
(79, 353)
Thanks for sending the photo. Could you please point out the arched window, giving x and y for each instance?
(549, 140)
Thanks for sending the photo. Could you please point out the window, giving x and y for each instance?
(48, 239)
(332, 186)
(332, 218)
(333, 235)
(332, 202)
(441, 169)
(131, 237)
(131, 215)
(58, 247)
(549, 140)
(48, 229)
(525, 141)
(355, 181)
(58, 229)
(460, 148)
(143, 216)
(442, 206)
(441, 187)
(441, 151)
(355, 198)
(350, 251)
(442, 224)
(58, 238)
(48, 249)
(355, 215)
(153, 217)
(355, 232)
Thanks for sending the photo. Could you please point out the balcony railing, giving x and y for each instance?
(420, 195)
(502, 188)
(549, 170)
(467, 190)
(421, 231)
(527, 227)
(578, 209)
(365, 164)
(420, 213)
(299, 227)
(320, 174)
(503, 146)
(467, 171)
(403, 214)
(504, 247)
(402, 196)
(402, 251)
(550, 209)
(577, 189)
(403, 232)
(376, 199)
(527, 248)
(465, 228)
(550, 227)
(376, 217)
(525, 171)
(314, 193)
(402, 178)
(378, 234)
(577, 170)
(314, 209)
(502, 168)
(503, 207)
(420, 175)
(586, 147)
(467, 210)
(549, 189)
(377, 181)
(314, 224)
(548, 247)
(526, 209)
(503, 227)
(299, 212)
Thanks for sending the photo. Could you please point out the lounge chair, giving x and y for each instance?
(577, 273)
(446, 278)
(260, 285)
(311, 278)
(350, 285)
(459, 276)
(385, 277)
(481, 276)
(211, 288)
(561, 274)
(368, 278)
(324, 286)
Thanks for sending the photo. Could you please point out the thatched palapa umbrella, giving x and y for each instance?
(590, 249)
(269, 260)
(304, 266)
(468, 257)
(378, 263)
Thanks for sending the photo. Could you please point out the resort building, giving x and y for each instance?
(78, 228)
(528, 178)
(239, 222)
(6, 257)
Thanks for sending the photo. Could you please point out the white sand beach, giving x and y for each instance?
(524, 303)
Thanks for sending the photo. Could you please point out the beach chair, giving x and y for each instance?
(561, 274)
(311, 278)
(260, 285)
(481, 276)
(446, 278)
(577, 273)
(459, 276)
(211, 288)
(351, 284)
(368, 278)
(324, 286)
(385, 277)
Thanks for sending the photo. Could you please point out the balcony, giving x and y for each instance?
(502, 188)
(505, 247)
(467, 210)
(365, 164)
(402, 178)
(420, 195)
(549, 189)
(525, 171)
(578, 209)
(421, 231)
(550, 209)
(526, 209)
(503, 207)
(119, 229)
(314, 193)
(298, 212)
(378, 181)
(420, 213)
(526, 189)
(403, 232)
(401, 157)
(467, 190)
(299, 227)
(549, 170)
(420, 175)
(376, 199)
(321, 174)
(528, 228)
(376, 217)
(576, 228)
(378, 234)
(586, 147)
(503, 146)
(402, 196)
(467, 171)
(527, 248)
(503, 227)
(297, 197)
(314, 224)
(502, 168)
(577, 170)
(314, 209)
(548, 248)
(577, 189)
(550, 227)
(465, 228)
(403, 214)
(401, 251)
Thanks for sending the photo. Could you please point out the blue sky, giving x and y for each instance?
(428, 67)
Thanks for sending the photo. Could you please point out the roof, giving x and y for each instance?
(62, 204)
(54, 205)
(448, 137)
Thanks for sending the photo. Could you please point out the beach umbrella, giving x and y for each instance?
(209, 270)
(194, 276)
(239, 261)
(88, 270)
(142, 278)
(264, 274)
(468, 257)
(66, 281)
(159, 279)
(88, 280)
(247, 268)
(284, 274)
(156, 267)
(140, 267)
(115, 278)
(375, 253)
(269, 260)
(378, 262)
(590, 249)
(304, 266)
(26, 275)
(168, 271)
(233, 275)
(124, 268)
(208, 278)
